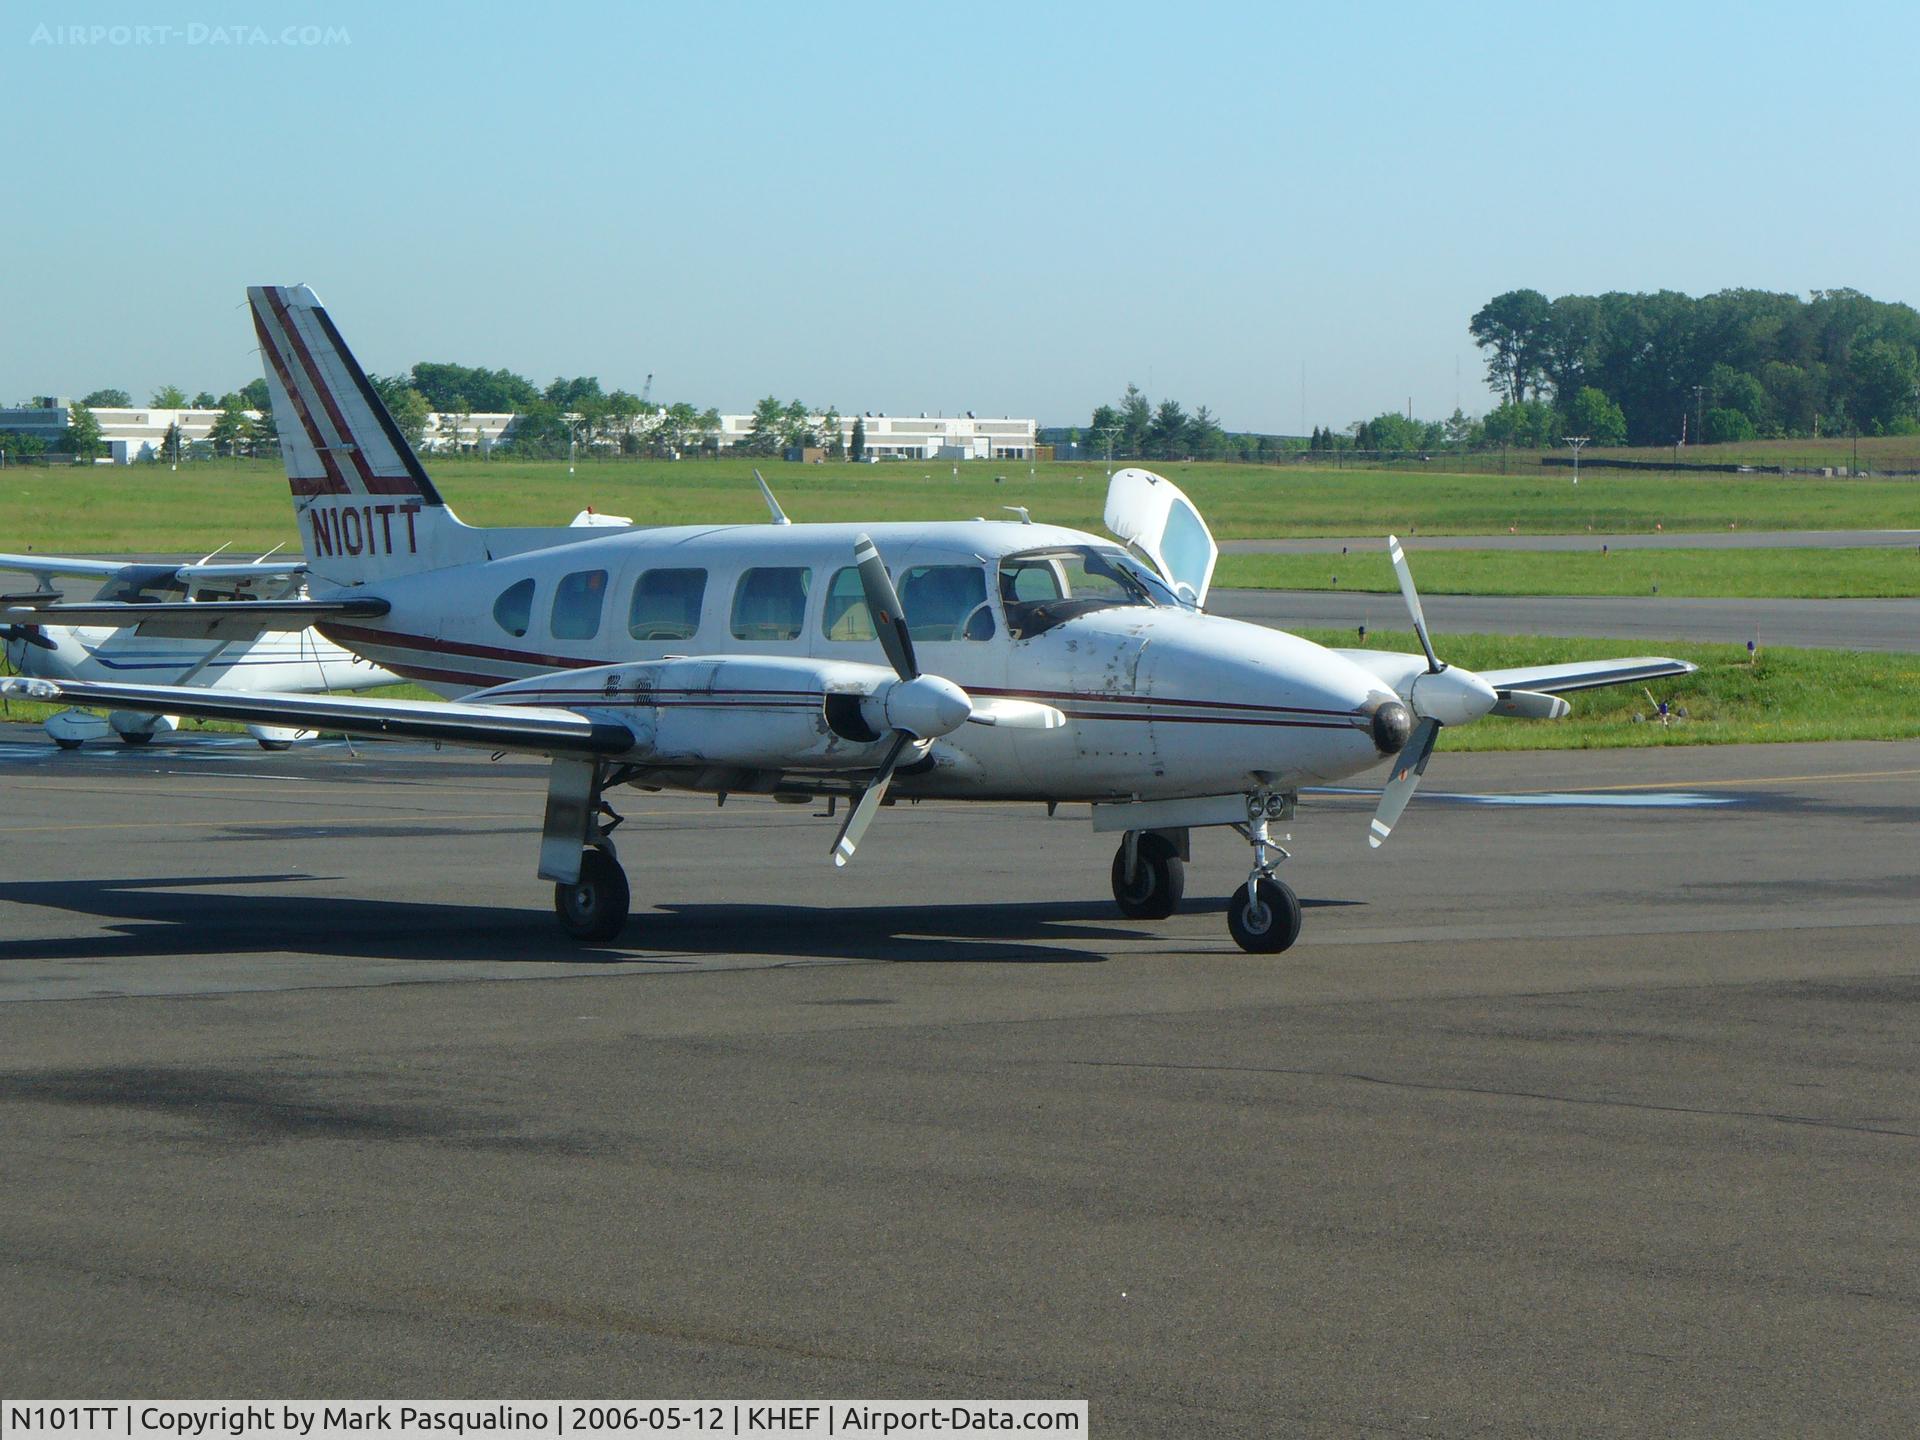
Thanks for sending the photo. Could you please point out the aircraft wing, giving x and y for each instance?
(196, 620)
(541, 730)
(1586, 674)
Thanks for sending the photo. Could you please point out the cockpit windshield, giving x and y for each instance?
(1042, 588)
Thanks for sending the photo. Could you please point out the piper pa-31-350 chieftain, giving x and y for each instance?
(988, 660)
(90, 640)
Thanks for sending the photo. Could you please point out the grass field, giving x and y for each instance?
(143, 509)
(1786, 695)
(1752, 574)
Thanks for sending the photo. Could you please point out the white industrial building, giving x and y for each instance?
(129, 433)
(924, 437)
(139, 432)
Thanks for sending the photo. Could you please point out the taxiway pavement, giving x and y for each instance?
(1588, 1105)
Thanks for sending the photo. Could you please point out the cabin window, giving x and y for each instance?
(666, 604)
(513, 611)
(770, 603)
(577, 603)
(846, 616)
(946, 602)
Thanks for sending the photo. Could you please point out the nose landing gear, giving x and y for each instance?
(1264, 915)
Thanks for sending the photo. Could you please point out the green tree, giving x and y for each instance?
(1167, 434)
(1205, 437)
(109, 399)
(830, 432)
(1884, 376)
(1592, 414)
(205, 400)
(796, 426)
(474, 387)
(766, 436)
(1530, 424)
(232, 432)
(858, 452)
(1513, 331)
(1723, 424)
(1136, 419)
(406, 405)
(82, 435)
(169, 397)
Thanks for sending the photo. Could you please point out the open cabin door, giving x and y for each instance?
(1154, 518)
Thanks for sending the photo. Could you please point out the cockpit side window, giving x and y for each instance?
(946, 602)
(513, 611)
(1042, 588)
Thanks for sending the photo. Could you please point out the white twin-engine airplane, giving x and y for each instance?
(91, 640)
(993, 661)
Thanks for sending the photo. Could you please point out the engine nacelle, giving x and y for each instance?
(748, 711)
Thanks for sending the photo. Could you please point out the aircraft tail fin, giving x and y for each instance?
(365, 505)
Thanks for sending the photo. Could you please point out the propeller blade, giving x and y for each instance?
(883, 604)
(1016, 715)
(1412, 597)
(1407, 771)
(1531, 705)
(861, 815)
(29, 633)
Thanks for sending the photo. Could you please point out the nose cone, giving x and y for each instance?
(1392, 727)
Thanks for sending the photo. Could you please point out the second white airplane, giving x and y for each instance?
(972, 660)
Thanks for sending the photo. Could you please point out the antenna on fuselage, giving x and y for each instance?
(779, 515)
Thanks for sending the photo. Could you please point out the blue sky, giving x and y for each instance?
(1003, 208)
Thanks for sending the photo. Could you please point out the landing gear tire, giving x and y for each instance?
(1268, 926)
(1159, 880)
(135, 737)
(69, 744)
(276, 744)
(594, 907)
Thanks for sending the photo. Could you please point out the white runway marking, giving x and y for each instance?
(1641, 800)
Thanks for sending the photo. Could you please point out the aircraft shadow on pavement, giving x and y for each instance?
(160, 917)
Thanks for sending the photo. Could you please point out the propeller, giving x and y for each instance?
(1407, 771)
(917, 707)
(1442, 695)
(29, 633)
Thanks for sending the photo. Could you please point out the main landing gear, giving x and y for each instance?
(592, 905)
(1263, 916)
(1148, 876)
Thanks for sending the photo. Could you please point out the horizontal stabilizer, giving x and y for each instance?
(197, 620)
(1587, 674)
(541, 730)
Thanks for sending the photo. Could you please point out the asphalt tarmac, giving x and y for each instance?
(1586, 1106)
